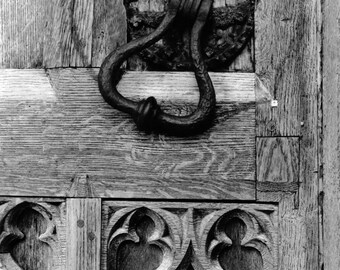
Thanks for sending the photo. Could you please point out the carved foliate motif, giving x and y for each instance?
(140, 240)
(227, 237)
(241, 240)
(29, 235)
(228, 31)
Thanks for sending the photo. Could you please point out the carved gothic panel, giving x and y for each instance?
(189, 236)
(31, 234)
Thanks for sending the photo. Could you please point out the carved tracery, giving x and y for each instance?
(241, 240)
(237, 237)
(140, 240)
(28, 236)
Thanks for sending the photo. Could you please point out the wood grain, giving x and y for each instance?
(277, 167)
(109, 29)
(288, 62)
(243, 63)
(83, 233)
(191, 235)
(58, 33)
(49, 135)
(68, 40)
(81, 41)
(22, 26)
(287, 33)
(330, 198)
(277, 159)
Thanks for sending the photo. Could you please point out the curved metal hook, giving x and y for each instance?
(146, 113)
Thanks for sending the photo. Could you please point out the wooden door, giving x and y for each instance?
(82, 188)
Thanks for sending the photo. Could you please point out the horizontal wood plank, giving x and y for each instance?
(58, 127)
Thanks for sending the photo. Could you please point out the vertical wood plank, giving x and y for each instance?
(68, 37)
(58, 33)
(109, 29)
(84, 234)
(331, 133)
(285, 59)
(288, 53)
(22, 25)
(81, 42)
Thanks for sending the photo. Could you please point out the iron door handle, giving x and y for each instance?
(146, 113)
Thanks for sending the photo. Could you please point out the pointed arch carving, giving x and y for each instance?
(140, 239)
(195, 236)
(242, 239)
(30, 235)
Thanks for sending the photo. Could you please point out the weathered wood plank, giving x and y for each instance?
(58, 33)
(277, 163)
(331, 134)
(49, 136)
(109, 29)
(22, 24)
(288, 46)
(285, 53)
(68, 40)
(83, 233)
(81, 42)
(249, 233)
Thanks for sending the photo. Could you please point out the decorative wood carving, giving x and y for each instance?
(140, 240)
(31, 233)
(241, 240)
(191, 236)
(228, 31)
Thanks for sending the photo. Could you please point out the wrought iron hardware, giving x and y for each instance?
(228, 31)
(146, 113)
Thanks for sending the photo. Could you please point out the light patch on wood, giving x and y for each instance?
(182, 86)
(262, 93)
(26, 85)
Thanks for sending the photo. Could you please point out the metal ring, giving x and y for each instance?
(146, 113)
